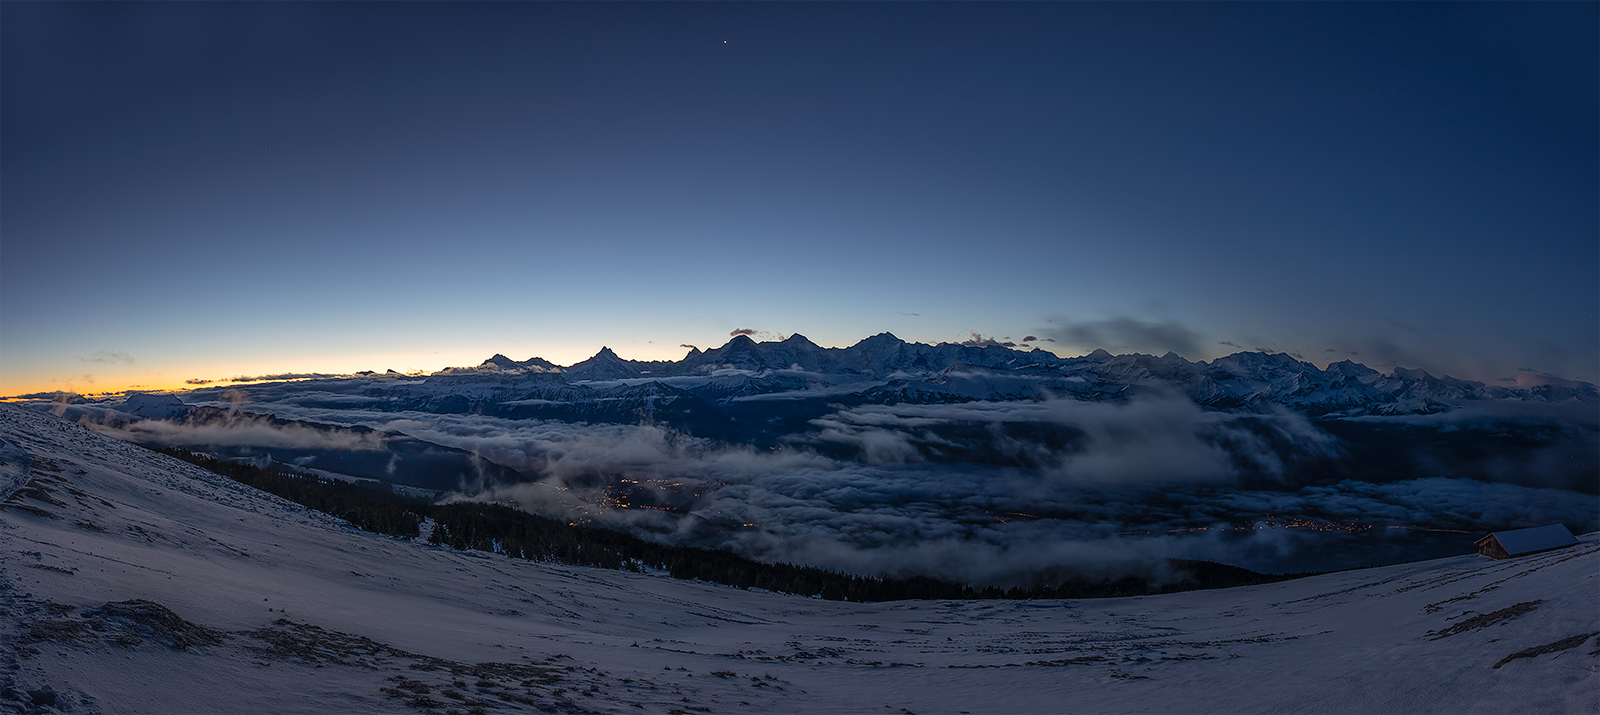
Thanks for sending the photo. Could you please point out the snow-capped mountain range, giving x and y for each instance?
(883, 369)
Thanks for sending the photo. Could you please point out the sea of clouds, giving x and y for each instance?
(1142, 481)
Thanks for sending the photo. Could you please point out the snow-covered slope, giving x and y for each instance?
(136, 583)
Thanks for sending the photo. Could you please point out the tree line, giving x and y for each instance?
(375, 507)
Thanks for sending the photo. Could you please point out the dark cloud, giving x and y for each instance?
(1386, 354)
(1527, 377)
(109, 357)
(741, 331)
(1440, 355)
(1229, 343)
(1029, 339)
(197, 381)
(1129, 334)
(980, 341)
(686, 345)
(915, 314)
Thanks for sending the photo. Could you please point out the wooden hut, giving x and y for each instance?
(1521, 542)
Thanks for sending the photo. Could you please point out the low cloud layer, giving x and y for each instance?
(1139, 482)
(1151, 440)
(240, 430)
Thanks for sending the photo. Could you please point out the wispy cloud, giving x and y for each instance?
(108, 357)
(1128, 334)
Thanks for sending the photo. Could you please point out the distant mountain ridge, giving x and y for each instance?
(949, 372)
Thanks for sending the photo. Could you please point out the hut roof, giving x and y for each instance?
(1538, 538)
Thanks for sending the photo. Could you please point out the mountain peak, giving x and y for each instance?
(1411, 374)
(605, 365)
(1349, 368)
(500, 361)
(882, 338)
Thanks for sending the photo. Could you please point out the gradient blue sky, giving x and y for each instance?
(200, 190)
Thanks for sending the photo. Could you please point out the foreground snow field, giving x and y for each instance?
(137, 583)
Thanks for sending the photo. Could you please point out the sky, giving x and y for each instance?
(203, 190)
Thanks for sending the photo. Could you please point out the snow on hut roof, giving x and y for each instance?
(1539, 538)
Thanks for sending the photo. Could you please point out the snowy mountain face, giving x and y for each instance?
(605, 365)
(134, 583)
(154, 407)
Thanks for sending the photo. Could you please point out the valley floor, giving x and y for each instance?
(131, 582)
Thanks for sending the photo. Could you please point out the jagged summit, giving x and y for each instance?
(884, 338)
(605, 365)
(500, 361)
(534, 364)
(1351, 369)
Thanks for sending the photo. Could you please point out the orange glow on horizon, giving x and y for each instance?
(177, 377)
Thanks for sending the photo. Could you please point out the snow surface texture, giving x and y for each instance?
(136, 583)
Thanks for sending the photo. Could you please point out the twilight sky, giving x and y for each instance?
(202, 190)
